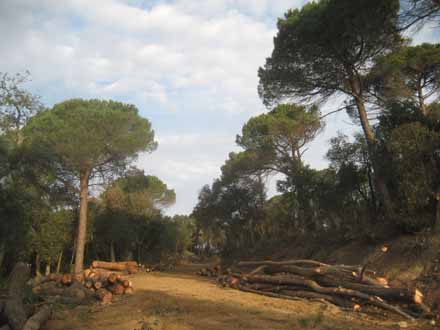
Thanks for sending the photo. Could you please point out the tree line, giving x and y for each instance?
(69, 192)
(384, 181)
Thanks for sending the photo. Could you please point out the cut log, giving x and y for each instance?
(126, 283)
(77, 291)
(38, 319)
(88, 283)
(297, 280)
(109, 265)
(128, 290)
(104, 273)
(117, 289)
(66, 279)
(112, 278)
(14, 309)
(87, 273)
(97, 285)
(319, 297)
(319, 271)
(132, 269)
(104, 296)
(306, 262)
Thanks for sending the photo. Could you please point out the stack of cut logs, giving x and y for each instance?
(210, 272)
(349, 287)
(102, 281)
(106, 278)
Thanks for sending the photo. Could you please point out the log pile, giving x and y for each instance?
(101, 282)
(349, 287)
(15, 313)
(210, 271)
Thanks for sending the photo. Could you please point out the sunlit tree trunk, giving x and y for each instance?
(371, 144)
(47, 271)
(60, 259)
(37, 265)
(82, 225)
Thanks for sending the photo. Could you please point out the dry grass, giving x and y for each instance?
(185, 302)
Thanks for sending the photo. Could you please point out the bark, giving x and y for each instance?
(14, 309)
(82, 225)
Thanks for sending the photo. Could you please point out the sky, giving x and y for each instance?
(190, 66)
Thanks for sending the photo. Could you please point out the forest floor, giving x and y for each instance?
(183, 301)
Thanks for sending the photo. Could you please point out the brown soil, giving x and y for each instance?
(181, 301)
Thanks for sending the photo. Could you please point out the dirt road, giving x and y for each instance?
(184, 302)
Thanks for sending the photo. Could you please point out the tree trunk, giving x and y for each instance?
(371, 143)
(112, 252)
(60, 258)
(82, 225)
(421, 97)
(47, 271)
(37, 265)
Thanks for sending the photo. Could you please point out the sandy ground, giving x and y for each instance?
(176, 301)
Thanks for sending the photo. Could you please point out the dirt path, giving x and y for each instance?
(185, 302)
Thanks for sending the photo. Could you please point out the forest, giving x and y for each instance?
(69, 189)
(71, 194)
(381, 183)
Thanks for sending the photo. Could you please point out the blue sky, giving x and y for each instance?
(190, 66)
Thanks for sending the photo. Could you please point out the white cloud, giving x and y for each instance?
(189, 65)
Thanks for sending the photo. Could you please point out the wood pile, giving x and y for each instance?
(101, 282)
(349, 287)
(210, 271)
(15, 313)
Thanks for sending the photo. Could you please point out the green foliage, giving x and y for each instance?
(322, 47)
(51, 233)
(107, 134)
(17, 105)
(279, 137)
(411, 74)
